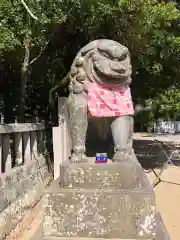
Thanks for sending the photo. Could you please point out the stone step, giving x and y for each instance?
(124, 175)
(100, 213)
(161, 234)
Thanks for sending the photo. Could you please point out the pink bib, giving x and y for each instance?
(109, 102)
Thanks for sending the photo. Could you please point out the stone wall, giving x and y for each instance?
(20, 190)
(23, 179)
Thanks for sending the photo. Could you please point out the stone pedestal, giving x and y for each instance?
(91, 175)
(112, 201)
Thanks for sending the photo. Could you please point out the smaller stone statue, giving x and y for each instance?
(99, 86)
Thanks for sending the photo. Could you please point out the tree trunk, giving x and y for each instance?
(24, 77)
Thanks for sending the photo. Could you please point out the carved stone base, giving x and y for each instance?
(161, 233)
(112, 201)
(120, 175)
(99, 213)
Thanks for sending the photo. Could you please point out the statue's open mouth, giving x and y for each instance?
(108, 76)
(108, 63)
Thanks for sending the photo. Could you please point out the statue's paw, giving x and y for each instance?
(78, 158)
(118, 156)
(122, 155)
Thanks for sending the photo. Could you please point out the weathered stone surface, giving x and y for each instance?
(22, 127)
(20, 190)
(20, 180)
(100, 213)
(99, 201)
(3, 200)
(161, 232)
(124, 175)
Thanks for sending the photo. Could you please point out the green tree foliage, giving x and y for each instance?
(40, 51)
(166, 105)
(26, 31)
(16, 22)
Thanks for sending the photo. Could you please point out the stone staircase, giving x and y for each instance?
(112, 201)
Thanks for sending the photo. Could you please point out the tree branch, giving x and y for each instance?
(24, 77)
(28, 10)
(42, 51)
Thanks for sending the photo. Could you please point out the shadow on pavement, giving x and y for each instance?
(156, 158)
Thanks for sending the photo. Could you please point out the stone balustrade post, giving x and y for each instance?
(26, 147)
(6, 153)
(0, 154)
(40, 143)
(18, 147)
(34, 145)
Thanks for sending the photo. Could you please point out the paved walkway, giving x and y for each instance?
(167, 192)
(161, 137)
(168, 200)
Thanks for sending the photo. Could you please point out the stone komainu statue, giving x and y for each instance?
(99, 86)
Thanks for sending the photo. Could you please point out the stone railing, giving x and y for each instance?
(23, 172)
